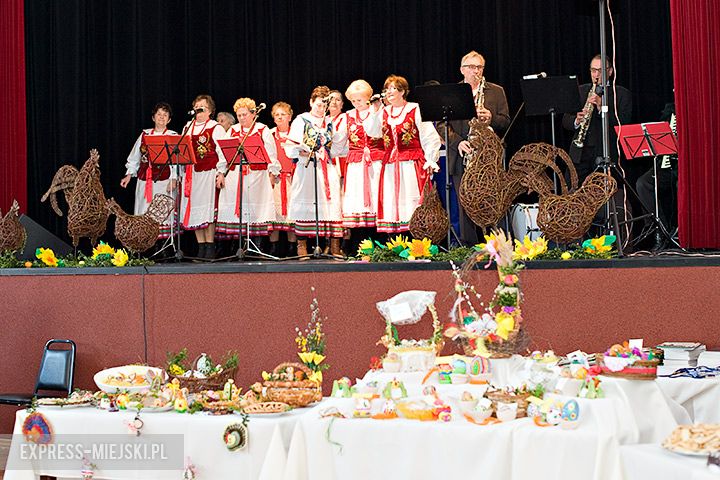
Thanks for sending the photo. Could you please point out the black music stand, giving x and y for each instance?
(551, 95)
(244, 153)
(648, 140)
(446, 102)
(180, 154)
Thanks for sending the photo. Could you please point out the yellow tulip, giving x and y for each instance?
(120, 258)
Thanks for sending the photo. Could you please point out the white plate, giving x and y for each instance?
(268, 415)
(166, 408)
(688, 453)
(69, 405)
(100, 377)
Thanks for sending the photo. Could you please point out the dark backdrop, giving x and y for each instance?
(95, 68)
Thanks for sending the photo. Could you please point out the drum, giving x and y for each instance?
(524, 221)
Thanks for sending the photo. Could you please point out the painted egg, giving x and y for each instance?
(459, 366)
(479, 365)
(571, 411)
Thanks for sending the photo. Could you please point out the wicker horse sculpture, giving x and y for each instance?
(138, 233)
(567, 216)
(487, 190)
(87, 213)
(12, 233)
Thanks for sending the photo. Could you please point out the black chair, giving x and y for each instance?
(55, 378)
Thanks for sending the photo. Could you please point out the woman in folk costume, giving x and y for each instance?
(312, 140)
(412, 149)
(151, 179)
(364, 162)
(258, 206)
(339, 123)
(199, 184)
(282, 114)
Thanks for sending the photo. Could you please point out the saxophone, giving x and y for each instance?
(480, 99)
(585, 124)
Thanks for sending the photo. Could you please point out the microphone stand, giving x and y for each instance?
(240, 152)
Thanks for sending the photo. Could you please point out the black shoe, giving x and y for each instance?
(209, 251)
(201, 250)
(660, 243)
(274, 249)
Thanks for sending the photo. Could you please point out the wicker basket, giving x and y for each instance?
(517, 341)
(299, 393)
(213, 382)
(600, 362)
(504, 397)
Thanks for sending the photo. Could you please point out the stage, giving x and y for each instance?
(124, 315)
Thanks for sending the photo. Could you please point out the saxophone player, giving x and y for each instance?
(588, 123)
(492, 109)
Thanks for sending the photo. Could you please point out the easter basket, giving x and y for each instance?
(505, 397)
(300, 392)
(196, 383)
(638, 370)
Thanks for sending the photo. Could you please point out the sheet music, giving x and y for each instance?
(665, 163)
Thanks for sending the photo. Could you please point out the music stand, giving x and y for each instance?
(551, 95)
(649, 140)
(182, 153)
(446, 102)
(250, 150)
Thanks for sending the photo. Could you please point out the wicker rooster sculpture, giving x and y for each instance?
(567, 216)
(87, 212)
(138, 233)
(12, 232)
(487, 190)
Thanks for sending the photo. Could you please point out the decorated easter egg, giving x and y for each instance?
(571, 411)
(459, 366)
(479, 365)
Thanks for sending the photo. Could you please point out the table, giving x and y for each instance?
(697, 397)
(202, 437)
(653, 461)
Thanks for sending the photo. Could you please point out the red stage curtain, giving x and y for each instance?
(696, 69)
(13, 133)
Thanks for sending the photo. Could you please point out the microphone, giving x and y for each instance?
(195, 112)
(535, 76)
(376, 97)
(259, 108)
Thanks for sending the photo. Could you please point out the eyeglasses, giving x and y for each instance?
(598, 70)
(474, 67)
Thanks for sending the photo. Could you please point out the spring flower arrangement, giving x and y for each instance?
(103, 256)
(311, 342)
(498, 330)
(397, 249)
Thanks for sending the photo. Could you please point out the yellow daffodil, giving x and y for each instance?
(599, 245)
(120, 258)
(47, 256)
(505, 324)
(398, 242)
(103, 249)
(366, 247)
(420, 248)
(566, 255)
(265, 376)
(316, 377)
(488, 239)
(317, 358)
(306, 357)
(528, 249)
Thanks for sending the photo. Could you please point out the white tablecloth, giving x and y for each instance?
(654, 462)
(202, 436)
(350, 449)
(698, 397)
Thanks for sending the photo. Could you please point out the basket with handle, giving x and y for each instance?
(297, 393)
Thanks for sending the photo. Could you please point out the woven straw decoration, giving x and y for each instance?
(12, 232)
(87, 212)
(566, 217)
(138, 233)
(429, 220)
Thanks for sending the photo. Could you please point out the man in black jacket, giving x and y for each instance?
(585, 157)
(492, 109)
